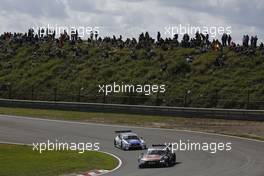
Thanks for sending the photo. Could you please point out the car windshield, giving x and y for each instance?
(130, 137)
(156, 152)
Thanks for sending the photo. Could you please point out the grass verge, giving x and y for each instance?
(248, 129)
(23, 161)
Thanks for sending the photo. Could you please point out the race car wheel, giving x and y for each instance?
(121, 146)
(174, 159)
(171, 163)
(167, 164)
(114, 143)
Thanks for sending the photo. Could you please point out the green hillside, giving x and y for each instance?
(72, 73)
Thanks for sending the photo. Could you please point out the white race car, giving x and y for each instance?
(127, 140)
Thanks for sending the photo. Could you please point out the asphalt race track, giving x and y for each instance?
(245, 159)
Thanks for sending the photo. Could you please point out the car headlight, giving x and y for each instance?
(126, 143)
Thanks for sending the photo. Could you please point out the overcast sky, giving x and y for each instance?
(131, 17)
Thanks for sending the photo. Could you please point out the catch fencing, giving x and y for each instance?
(231, 114)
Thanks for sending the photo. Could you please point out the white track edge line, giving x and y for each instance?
(110, 171)
(127, 126)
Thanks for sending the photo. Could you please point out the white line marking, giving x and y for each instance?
(119, 162)
(126, 126)
(110, 171)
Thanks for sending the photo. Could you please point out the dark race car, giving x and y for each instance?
(157, 156)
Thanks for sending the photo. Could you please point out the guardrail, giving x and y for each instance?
(232, 114)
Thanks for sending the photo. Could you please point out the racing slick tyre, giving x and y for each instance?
(115, 143)
(121, 146)
(140, 166)
(171, 163)
(167, 164)
(174, 160)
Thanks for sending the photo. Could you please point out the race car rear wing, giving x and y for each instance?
(123, 131)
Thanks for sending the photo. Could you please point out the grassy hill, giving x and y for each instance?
(46, 72)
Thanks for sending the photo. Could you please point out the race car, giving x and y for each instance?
(158, 156)
(127, 140)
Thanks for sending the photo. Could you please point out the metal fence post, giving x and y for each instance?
(104, 98)
(157, 99)
(248, 99)
(216, 98)
(185, 99)
(9, 91)
(79, 95)
(188, 92)
(55, 94)
(32, 93)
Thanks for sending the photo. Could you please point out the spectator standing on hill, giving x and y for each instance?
(229, 40)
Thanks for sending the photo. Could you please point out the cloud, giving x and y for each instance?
(131, 17)
(241, 12)
(84, 6)
(47, 8)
